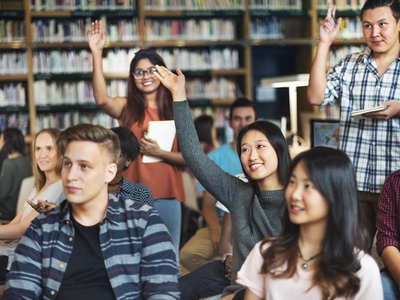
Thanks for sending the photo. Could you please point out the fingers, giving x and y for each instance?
(330, 9)
(97, 27)
(178, 71)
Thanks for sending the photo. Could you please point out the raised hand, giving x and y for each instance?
(175, 83)
(328, 28)
(96, 36)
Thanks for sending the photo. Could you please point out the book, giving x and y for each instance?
(358, 114)
(163, 132)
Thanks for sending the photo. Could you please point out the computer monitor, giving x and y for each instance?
(324, 133)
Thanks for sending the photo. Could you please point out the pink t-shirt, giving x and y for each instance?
(266, 287)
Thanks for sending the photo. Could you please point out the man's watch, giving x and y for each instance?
(225, 256)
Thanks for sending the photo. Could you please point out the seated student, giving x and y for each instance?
(15, 168)
(93, 245)
(120, 186)
(321, 253)
(388, 236)
(202, 247)
(47, 172)
(256, 207)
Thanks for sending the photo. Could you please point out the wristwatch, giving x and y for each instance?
(225, 256)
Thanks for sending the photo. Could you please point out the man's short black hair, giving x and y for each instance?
(394, 6)
(129, 143)
(242, 102)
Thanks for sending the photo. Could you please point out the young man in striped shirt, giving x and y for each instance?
(94, 245)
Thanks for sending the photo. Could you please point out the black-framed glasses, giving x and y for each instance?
(139, 73)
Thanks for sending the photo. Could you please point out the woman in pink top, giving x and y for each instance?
(321, 251)
(147, 100)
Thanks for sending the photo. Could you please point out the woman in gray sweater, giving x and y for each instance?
(256, 207)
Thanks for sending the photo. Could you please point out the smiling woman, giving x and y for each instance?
(147, 100)
(47, 172)
(321, 252)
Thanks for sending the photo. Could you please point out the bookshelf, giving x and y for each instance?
(213, 42)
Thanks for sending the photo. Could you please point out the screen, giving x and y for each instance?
(324, 133)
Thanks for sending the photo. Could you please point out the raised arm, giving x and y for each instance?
(97, 39)
(219, 183)
(328, 31)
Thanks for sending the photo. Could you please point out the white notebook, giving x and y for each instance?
(358, 114)
(164, 133)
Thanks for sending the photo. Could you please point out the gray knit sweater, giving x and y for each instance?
(267, 211)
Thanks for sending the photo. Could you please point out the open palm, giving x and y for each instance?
(96, 36)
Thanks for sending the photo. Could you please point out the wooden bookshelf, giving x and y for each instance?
(295, 27)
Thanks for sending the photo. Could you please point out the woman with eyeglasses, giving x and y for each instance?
(147, 100)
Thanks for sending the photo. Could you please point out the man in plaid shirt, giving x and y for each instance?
(359, 81)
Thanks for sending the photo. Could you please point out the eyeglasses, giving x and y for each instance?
(139, 73)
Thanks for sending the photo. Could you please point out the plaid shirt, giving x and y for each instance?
(388, 216)
(135, 191)
(137, 250)
(372, 145)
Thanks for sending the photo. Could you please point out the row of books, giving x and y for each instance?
(217, 87)
(81, 92)
(342, 4)
(351, 28)
(62, 62)
(118, 60)
(12, 94)
(276, 4)
(194, 5)
(13, 63)
(61, 30)
(266, 28)
(197, 60)
(66, 92)
(337, 53)
(82, 4)
(63, 120)
(219, 113)
(12, 30)
(17, 120)
(190, 29)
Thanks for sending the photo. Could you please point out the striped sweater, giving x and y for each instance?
(137, 250)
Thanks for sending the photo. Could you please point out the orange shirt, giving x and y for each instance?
(164, 180)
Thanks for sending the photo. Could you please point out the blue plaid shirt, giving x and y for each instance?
(372, 145)
(138, 254)
(135, 191)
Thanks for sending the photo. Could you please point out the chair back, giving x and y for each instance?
(26, 188)
(190, 192)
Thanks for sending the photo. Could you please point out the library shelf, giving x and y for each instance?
(299, 23)
(13, 77)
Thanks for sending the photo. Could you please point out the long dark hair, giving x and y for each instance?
(136, 103)
(204, 126)
(13, 141)
(332, 174)
(278, 142)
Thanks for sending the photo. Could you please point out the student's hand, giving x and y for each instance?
(149, 147)
(328, 29)
(42, 205)
(175, 83)
(96, 36)
(215, 237)
(392, 109)
(228, 267)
